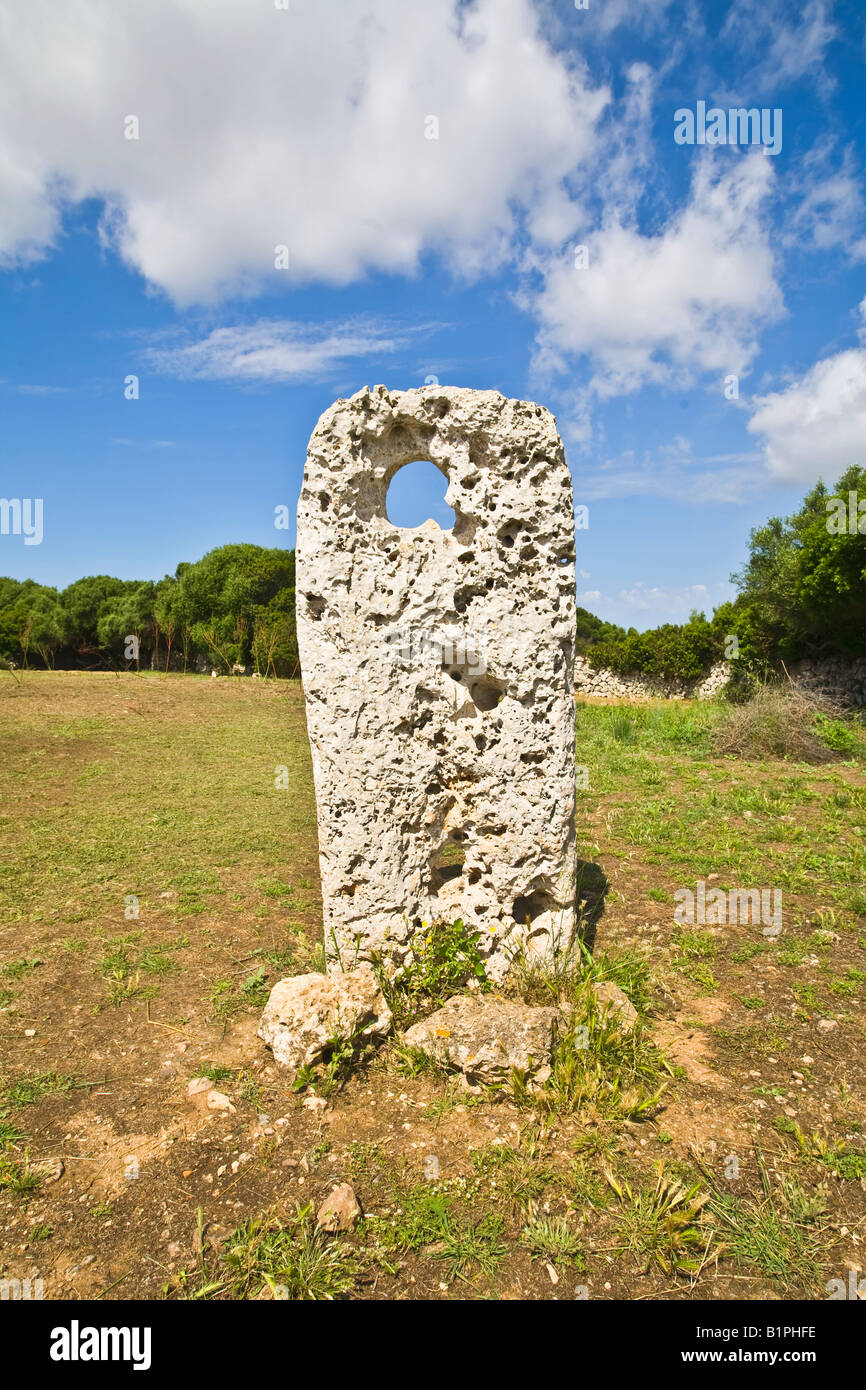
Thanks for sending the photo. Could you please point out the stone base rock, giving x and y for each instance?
(609, 996)
(486, 1038)
(340, 1210)
(306, 1013)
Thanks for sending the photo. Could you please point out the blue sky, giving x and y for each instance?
(410, 256)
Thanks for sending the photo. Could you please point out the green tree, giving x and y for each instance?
(128, 614)
(803, 586)
(84, 601)
(49, 625)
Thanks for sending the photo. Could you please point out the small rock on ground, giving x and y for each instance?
(610, 996)
(340, 1210)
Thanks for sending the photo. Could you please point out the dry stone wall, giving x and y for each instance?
(438, 672)
(605, 684)
(842, 681)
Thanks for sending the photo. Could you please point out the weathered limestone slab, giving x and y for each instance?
(487, 1038)
(438, 669)
(305, 1013)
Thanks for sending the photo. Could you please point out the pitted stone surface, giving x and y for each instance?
(438, 675)
(305, 1013)
(487, 1038)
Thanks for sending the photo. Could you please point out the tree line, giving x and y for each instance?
(235, 606)
(802, 593)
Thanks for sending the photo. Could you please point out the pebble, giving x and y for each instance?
(217, 1101)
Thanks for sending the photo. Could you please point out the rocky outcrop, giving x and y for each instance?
(843, 682)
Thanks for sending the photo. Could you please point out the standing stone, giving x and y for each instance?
(438, 676)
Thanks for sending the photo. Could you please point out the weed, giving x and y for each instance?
(551, 1238)
(663, 1225)
(517, 1176)
(773, 1233)
(16, 968)
(294, 1260)
(35, 1088)
(473, 1245)
(600, 1069)
(843, 1161)
(446, 958)
(18, 1174)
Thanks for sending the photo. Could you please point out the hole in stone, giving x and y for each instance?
(485, 694)
(526, 909)
(447, 863)
(417, 494)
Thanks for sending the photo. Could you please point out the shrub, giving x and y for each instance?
(782, 722)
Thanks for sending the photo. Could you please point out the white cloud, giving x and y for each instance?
(675, 472)
(634, 13)
(37, 389)
(798, 49)
(816, 427)
(827, 203)
(790, 48)
(305, 127)
(661, 309)
(277, 350)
